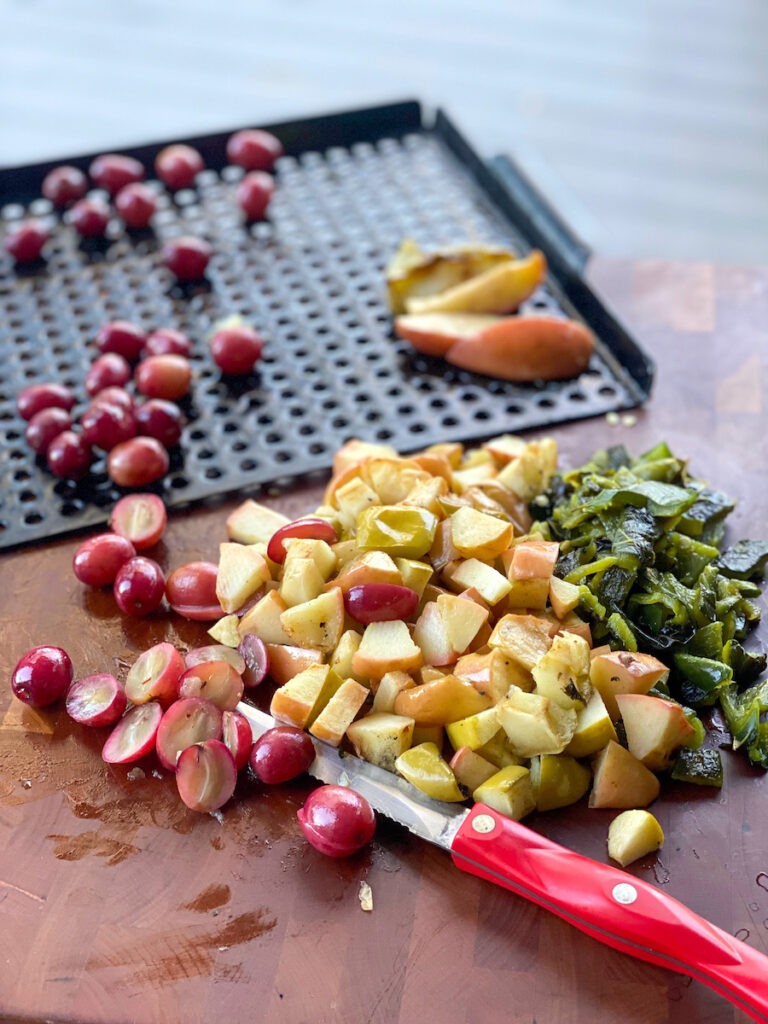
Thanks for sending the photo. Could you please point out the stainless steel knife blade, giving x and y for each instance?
(433, 820)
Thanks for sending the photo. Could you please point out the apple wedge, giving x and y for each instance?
(633, 834)
(286, 662)
(242, 570)
(441, 701)
(253, 523)
(534, 724)
(562, 674)
(463, 620)
(524, 638)
(263, 620)
(558, 781)
(299, 701)
(594, 728)
(505, 448)
(478, 535)
(381, 738)
(471, 770)
(509, 791)
(425, 768)
(655, 728)
(390, 685)
(624, 672)
(339, 713)
(431, 635)
(432, 334)
(368, 567)
(355, 451)
(225, 631)
(344, 652)
(563, 597)
(526, 349)
(474, 731)
(317, 623)
(621, 780)
(302, 581)
(487, 581)
(412, 272)
(386, 647)
(499, 289)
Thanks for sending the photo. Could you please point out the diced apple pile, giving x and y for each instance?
(416, 614)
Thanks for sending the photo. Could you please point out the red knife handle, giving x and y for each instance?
(612, 906)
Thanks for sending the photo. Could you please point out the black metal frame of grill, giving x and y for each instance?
(350, 186)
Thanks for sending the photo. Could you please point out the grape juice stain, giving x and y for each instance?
(211, 898)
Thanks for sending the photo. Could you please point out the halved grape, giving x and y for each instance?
(215, 652)
(281, 754)
(217, 681)
(140, 518)
(310, 527)
(134, 735)
(96, 700)
(155, 675)
(380, 602)
(187, 721)
(206, 776)
(191, 591)
(237, 737)
(255, 658)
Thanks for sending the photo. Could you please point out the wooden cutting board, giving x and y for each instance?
(117, 904)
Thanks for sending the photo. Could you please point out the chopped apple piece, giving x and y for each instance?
(414, 574)
(263, 620)
(393, 479)
(486, 580)
(431, 634)
(425, 768)
(428, 674)
(463, 479)
(572, 623)
(286, 662)
(471, 770)
(530, 473)
(505, 448)
(477, 535)
(368, 567)
(386, 647)
(498, 751)
(621, 780)
(343, 654)
(655, 728)
(594, 728)
(558, 781)
(441, 701)
(499, 289)
(299, 701)
(339, 713)
(318, 551)
(534, 724)
(597, 651)
(509, 791)
(529, 569)
(354, 451)
(302, 581)
(425, 494)
(381, 738)
(443, 550)
(633, 834)
(225, 631)
(624, 672)
(474, 731)
(463, 619)
(345, 551)
(251, 523)
(391, 684)
(317, 623)
(493, 673)
(563, 597)
(428, 734)
(242, 570)
(524, 638)
(562, 674)
(435, 464)
(354, 496)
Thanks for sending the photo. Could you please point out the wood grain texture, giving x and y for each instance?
(117, 904)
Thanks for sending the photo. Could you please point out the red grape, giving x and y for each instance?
(254, 194)
(109, 370)
(337, 821)
(42, 676)
(140, 518)
(161, 420)
(64, 185)
(281, 754)
(122, 337)
(45, 426)
(187, 257)
(236, 349)
(380, 602)
(167, 341)
(136, 204)
(90, 217)
(96, 700)
(217, 681)
(237, 737)
(166, 377)
(177, 165)
(137, 462)
(206, 776)
(25, 241)
(69, 455)
(98, 560)
(105, 425)
(36, 397)
(134, 735)
(254, 149)
(155, 675)
(309, 527)
(215, 652)
(188, 720)
(255, 657)
(116, 396)
(113, 171)
(191, 591)
(139, 586)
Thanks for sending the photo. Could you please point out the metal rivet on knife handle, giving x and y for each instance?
(483, 823)
(624, 893)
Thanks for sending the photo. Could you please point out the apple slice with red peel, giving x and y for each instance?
(206, 776)
(237, 737)
(380, 602)
(434, 333)
(96, 700)
(215, 652)
(255, 658)
(286, 662)
(134, 735)
(526, 348)
(217, 681)
(155, 675)
(187, 721)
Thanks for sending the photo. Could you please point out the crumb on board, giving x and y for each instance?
(612, 419)
(365, 895)
(628, 419)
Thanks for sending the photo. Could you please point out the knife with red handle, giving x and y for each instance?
(611, 905)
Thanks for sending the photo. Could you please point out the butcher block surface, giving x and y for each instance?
(119, 905)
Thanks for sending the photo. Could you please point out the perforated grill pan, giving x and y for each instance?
(350, 188)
